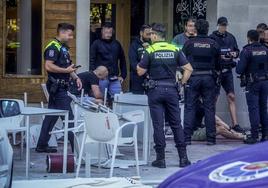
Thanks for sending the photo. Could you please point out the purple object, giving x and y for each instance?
(245, 167)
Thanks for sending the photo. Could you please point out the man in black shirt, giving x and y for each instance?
(90, 81)
(108, 52)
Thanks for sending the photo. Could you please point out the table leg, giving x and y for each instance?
(27, 146)
(145, 137)
(65, 147)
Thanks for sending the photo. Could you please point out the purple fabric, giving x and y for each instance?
(213, 172)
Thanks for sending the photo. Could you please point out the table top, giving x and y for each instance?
(131, 99)
(41, 111)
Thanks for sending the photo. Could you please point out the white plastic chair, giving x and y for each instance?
(105, 128)
(13, 122)
(45, 91)
(6, 160)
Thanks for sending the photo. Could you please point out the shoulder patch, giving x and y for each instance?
(51, 53)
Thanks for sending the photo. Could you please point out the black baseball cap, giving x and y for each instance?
(222, 21)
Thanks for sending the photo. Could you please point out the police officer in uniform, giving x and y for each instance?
(59, 68)
(229, 52)
(136, 50)
(203, 53)
(160, 61)
(253, 65)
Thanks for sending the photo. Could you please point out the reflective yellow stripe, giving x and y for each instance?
(53, 42)
(149, 49)
(161, 46)
(179, 47)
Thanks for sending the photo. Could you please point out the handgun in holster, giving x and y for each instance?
(52, 85)
(217, 77)
(149, 84)
(243, 80)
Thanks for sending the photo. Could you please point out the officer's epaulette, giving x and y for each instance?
(55, 43)
(150, 49)
(158, 46)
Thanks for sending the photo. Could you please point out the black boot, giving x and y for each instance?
(264, 138)
(160, 160)
(250, 140)
(184, 161)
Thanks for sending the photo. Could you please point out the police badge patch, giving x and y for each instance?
(51, 53)
(240, 172)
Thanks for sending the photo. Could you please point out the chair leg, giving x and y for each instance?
(14, 138)
(88, 165)
(107, 149)
(80, 155)
(21, 144)
(99, 155)
(136, 151)
(113, 156)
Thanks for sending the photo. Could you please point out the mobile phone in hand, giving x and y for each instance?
(77, 66)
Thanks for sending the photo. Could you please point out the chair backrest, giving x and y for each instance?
(45, 91)
(10, 110)
(11, 123)
(101, 127)
(10, 107)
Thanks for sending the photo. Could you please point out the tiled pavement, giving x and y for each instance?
(196, 151)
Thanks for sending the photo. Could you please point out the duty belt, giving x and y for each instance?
(165, 83)
(261, 78)
(62, 82)
(205, 72)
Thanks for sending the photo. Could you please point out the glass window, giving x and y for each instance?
(23, 33)
(99, 14)
(138, 16)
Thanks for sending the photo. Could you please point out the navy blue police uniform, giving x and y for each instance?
(253, 65)
(203, 53)
(58, 82)
(227, 43)
(163, 98)
(136, 50)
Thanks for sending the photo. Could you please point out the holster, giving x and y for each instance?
(243, 80)
(52, 85)
(217, 77)
(149, 84)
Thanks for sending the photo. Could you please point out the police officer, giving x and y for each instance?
(59, 68)
(203, 53)
(160, 61)
(229, 51)
(136, 50)
(254, 65)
